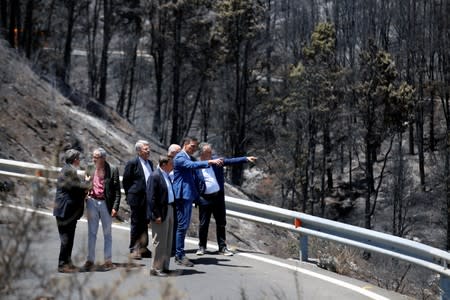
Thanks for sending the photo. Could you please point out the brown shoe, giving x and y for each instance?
(88, 266)
(184, 261)
(108, 265)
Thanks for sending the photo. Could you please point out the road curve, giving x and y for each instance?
(244, 276)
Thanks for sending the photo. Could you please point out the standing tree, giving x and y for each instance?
(177, 58)
(238, 26)
(14, 22)
(28, 28)
(399, 112)
(314, 93)
(67, 56)
(379, 104)
(107, 33)
(3, 15)
(322, 73)
(158, 14)
(129, 15)
(92, 16)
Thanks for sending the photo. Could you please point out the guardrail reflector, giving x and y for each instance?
(297, 222)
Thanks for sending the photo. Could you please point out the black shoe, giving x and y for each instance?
(184, 262)
(158, 273)
(146, 253)
(135, 255)
(68, 268)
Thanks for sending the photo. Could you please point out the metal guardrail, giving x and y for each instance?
(411, 251)
(434, 259)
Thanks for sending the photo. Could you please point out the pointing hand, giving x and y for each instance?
(251, 159)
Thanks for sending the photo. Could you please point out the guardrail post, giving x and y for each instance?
(445, 287)
(303, 254)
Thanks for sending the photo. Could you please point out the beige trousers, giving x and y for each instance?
(162, 235)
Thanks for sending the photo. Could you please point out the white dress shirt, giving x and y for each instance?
(212, 186)
(171, 196)
(147, 168)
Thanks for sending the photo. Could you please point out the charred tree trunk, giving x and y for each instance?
(419, 133)
(175, 135)
(65, 75)
(14, 22)
(241, 112)
(3, 15)
(27, 37)
(131, 81)
(158, 53)
(103, 69)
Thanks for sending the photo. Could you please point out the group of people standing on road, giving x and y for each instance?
(161, 195)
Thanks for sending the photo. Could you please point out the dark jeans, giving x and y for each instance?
(66, 231)
(216, 207)
(138, 227)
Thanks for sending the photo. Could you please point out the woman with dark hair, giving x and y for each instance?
(68, 209)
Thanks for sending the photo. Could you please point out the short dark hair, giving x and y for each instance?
(71, 155)
(188, 139)
(164, 160)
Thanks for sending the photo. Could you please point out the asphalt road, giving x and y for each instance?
(243, 276)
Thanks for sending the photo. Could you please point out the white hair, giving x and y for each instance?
(140, 144)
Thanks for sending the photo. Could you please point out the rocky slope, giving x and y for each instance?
(37, 123)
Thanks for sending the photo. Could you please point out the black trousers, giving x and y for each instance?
(215, 206)
(138, 227)
(66, 229)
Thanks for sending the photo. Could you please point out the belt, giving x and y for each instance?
(97, 199)
(211, 195)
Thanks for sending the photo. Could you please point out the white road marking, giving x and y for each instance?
(329, 279)
(357, 289)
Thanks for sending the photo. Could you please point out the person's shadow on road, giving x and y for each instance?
(184, 272)
(216, 261)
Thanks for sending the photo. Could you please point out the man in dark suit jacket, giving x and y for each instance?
(68, 208)
(212, 200)
(134, 181)
(186, 192)
(160, 210)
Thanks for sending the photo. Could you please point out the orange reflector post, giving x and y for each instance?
(297, 223)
